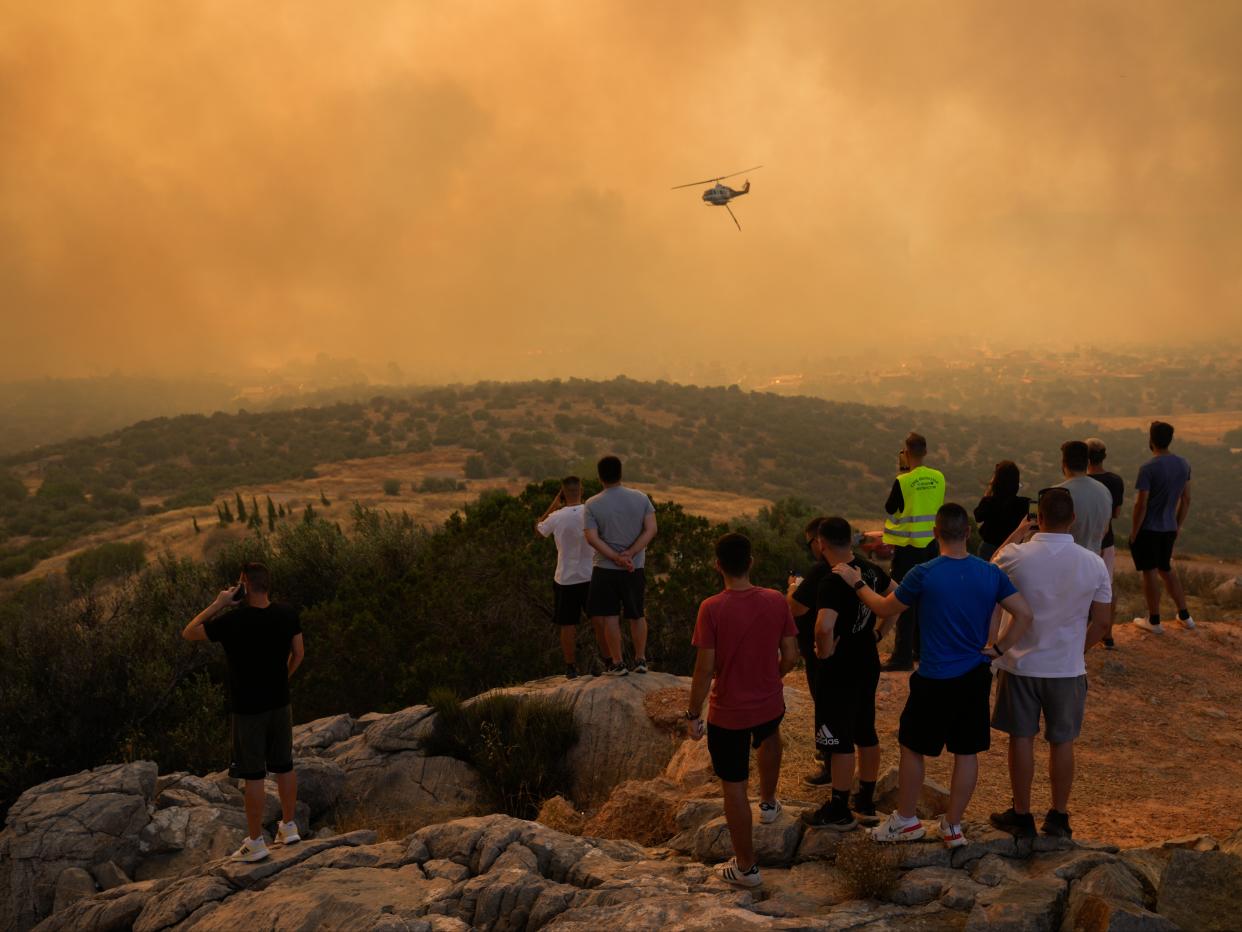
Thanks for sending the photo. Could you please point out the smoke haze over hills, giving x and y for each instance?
(480, 190)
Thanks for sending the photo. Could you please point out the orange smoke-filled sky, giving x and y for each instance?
(476, 189)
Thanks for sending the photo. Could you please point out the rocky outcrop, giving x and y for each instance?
(500, 873)
(80, 821)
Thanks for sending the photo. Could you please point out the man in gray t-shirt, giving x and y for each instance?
(618, 524)
(1093, 504)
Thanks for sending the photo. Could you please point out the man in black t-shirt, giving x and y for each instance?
(262, 643)
(801, 595)
(1096, 452)
(846, 639)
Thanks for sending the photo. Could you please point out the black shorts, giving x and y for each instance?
(845, 708)
(1153, 550)
(569, 602)
(616, 592)
(948, 713)
(262, 744)
(730, 748)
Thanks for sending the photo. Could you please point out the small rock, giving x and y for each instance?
(775, 843)
(1189, 842)
(933, 798)
(992, 870)
(922, 885)
(109, 875)
(1030, 906)
(72, 885)
(448, 870)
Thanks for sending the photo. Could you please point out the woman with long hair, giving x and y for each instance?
(1001, 509)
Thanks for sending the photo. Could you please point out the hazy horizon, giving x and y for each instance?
(481, 190)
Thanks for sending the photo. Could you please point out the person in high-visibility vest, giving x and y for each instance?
(916, 496)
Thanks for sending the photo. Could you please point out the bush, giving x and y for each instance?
(520, 747)
(107, 561)
(440, 484)
(869, 869)
(392, 486)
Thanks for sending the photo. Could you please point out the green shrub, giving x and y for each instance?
(520, 747)
(392, 486)
(107, 561)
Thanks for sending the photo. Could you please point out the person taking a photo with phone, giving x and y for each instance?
(262, 643)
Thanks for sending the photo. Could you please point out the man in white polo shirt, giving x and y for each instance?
(563, 522)
(1070, 594)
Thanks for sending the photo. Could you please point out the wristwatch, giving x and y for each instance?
(858, 585)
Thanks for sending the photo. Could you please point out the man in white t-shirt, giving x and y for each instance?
(563, 522)
(1070, 594)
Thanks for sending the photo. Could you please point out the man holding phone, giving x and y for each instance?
(262, 643)
(571, 584)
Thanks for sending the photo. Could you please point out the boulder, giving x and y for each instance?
(1201, 889)
(185, 789)
(401, 731)
(113, 910)
(404, 791)
(1109, 898)
(76, 821)
(1030, 906)
(775, 843)
(109, 875)
(1233, 842)
(320, 784)
(691, 765)
(618, 740)
(72, 885)
(322, 733)
(183, 837)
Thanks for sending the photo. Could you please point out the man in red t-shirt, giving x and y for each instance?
(747, 642)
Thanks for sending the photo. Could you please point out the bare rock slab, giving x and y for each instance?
(1031, 906)
(1201, 890)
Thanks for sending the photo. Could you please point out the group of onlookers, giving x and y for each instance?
(1023, 611)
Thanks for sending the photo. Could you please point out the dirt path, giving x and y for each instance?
(1160, 753)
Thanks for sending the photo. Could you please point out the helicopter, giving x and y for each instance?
(719, 195)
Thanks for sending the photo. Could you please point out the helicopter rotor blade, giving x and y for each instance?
(734, 216)
(718, 178)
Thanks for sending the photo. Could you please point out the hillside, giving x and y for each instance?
(759, 446)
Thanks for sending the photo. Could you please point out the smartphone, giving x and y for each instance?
(240, 594)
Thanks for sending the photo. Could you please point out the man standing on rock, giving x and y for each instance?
(746, 643)
(1044, 672)
(949, 694)
(262, 643)
(846, 635)
(1160, 507)
(619, 523)
(572, 580)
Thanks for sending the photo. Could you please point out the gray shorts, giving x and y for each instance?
(262, 744)
(1021, 699)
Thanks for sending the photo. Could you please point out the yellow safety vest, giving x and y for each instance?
(922, 492)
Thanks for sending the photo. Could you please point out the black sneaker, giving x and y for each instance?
(640, 665)
(836, 818)
(1110, 644)
(1057, 825)
(571, 672)
(616, 669)
(865, 807)
(1018, 825)
(822, 777)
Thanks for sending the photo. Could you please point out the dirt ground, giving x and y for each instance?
(1160, 754)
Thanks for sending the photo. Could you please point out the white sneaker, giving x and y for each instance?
(1188, 623)
(287, 833)
(951, 834)
(1144, 625)
(251, 850)
(729, 873)
(768, 812)
(895, 828)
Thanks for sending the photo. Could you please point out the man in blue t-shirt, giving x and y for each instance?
(1160, 508)
(956, 595)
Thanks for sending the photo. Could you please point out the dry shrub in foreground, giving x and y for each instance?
(868, 868)
(388, 824)
(558, 814)
(644, 811)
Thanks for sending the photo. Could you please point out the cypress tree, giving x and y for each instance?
(271, 514)
(194, 521)
(241, 507)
